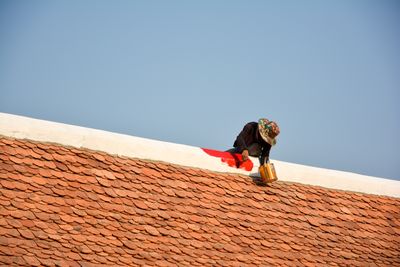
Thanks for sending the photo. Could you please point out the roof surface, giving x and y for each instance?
(66, 206)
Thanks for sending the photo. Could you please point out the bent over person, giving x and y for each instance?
(256, 140)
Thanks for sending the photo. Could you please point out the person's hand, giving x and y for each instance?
(245, 155)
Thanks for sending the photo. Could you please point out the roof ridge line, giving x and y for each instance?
(125, 145)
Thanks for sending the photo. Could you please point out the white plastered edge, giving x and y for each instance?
(136, 147)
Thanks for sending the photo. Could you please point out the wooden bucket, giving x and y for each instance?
(268, 173)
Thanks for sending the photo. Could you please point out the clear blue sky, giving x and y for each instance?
(194, 72)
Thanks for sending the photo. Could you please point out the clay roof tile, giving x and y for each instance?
(69, 206)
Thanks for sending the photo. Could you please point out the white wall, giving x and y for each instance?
(130, 146)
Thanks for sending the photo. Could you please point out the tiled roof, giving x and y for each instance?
(65, 206)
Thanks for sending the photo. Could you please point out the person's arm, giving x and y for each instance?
(241, 143)
(265, 154)
(240, 139)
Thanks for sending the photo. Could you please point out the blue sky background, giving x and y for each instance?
(194, 72)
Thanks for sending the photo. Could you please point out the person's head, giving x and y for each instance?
(268, 130)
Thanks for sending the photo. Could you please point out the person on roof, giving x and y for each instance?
(256, 139)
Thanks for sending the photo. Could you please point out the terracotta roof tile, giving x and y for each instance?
(74, 207)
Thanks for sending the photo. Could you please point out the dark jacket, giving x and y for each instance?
(250, 135)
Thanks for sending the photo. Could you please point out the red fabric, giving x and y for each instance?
(233, 160)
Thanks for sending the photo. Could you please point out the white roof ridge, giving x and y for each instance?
(130, 146)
